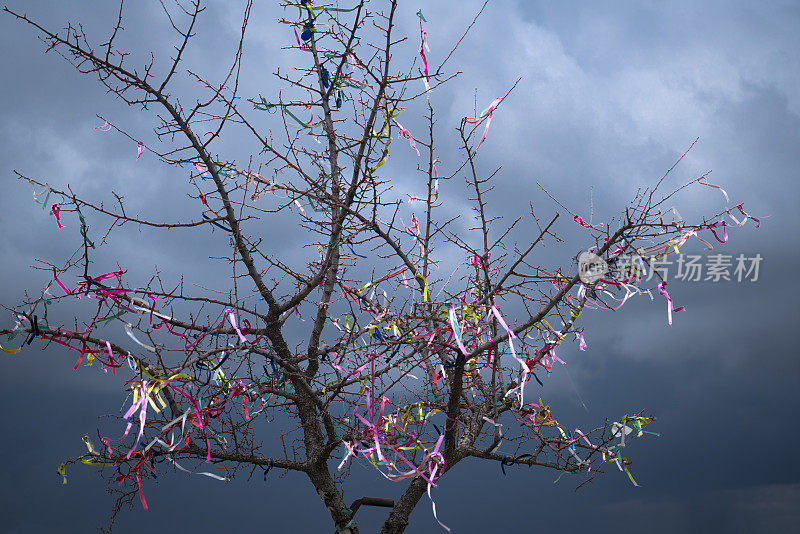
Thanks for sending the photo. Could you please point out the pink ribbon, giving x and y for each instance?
(343, 370)
(422, 47)
(579, 220)
(406, 134)
(199, 418)
(299, 44)
(525, 368)
(746, 216)
(435, 187)
(111, 359)
(456, 329)
(724, 226)
(349, 79)
(67, 291)
(703, 180)
(99, 278)
(581, 341)
(232, 318)
(662, 289)
(414, 228)
(434, 470)
(488, 112)
(141, 405)
(57, 213)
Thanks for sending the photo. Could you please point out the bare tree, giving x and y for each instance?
(413, 369)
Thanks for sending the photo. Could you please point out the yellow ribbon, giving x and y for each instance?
(425, 289)
(62, 470)
(387, 119)
(97, 464)
(385, 156)
(469, 310)
(11, 351)
(544, 410)
(624, 466)
(89, 445)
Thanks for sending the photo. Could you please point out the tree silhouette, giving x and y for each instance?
(398, 355)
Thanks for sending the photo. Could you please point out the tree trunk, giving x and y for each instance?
(397, 521)
(334, 501)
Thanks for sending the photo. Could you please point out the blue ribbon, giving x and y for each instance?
(508, 460)
(354, 252)
(34, 330)
(326, 80)
(537, 378)
(269, 466)
(215, 223)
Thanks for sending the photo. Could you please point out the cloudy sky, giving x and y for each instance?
(610, 95)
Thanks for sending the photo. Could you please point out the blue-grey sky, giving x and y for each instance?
(610, 95)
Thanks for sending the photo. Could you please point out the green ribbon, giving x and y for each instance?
(342, 10)
(268, 106)
(314, 206)
(105, 320)
(62, 470)
(83, 227)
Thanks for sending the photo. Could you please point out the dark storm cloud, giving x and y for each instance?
(610, 97)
